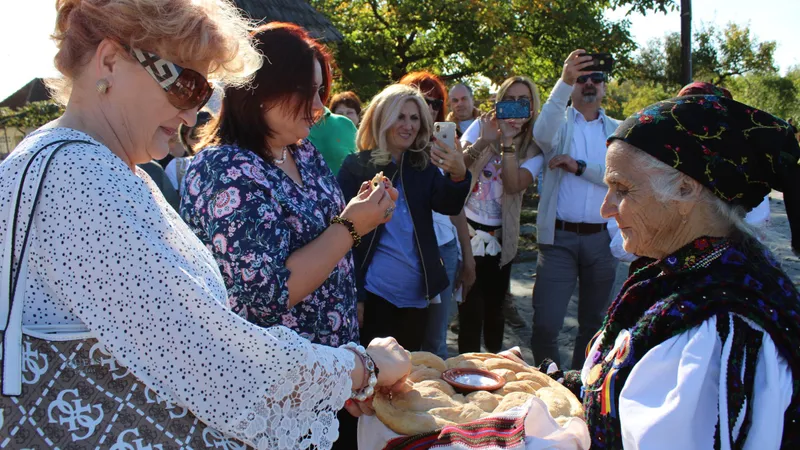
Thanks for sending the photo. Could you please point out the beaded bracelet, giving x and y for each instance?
(370, 372)
(350, 227)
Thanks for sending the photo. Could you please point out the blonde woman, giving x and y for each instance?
(110, 279)
(504, 161)
(398, 265)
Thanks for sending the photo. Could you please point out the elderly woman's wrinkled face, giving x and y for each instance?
(648, 226)
(146, 122)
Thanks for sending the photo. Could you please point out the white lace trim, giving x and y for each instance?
(299, 411)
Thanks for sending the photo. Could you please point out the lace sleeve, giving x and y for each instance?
(300, 410)
(113, 255)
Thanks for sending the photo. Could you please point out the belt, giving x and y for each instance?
(581, 228)
(487, 228)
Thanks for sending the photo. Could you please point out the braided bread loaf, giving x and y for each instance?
(433, 403)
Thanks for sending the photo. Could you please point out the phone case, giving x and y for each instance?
(601, 62)
(513, 109)
(445, 132)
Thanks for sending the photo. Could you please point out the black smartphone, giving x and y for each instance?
(601, 62)
(513, 109)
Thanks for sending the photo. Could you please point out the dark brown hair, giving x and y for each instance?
(289, 56)
(184, 132)
(431, 86)
(348, 99)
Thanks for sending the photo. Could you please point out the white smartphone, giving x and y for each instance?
(445, 132)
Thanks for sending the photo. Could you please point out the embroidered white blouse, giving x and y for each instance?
(674, 394)
(107, 257)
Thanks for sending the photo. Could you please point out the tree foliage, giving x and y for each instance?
(717, 56)
(770, 92)
(730, 57)
(32, 115)
(385, 39)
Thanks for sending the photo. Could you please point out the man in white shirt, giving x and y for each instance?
(573, 237)
(462, 108)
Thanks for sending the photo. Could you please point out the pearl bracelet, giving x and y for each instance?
(370, 370)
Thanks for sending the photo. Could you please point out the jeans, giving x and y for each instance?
(435, 340)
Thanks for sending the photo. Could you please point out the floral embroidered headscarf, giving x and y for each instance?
(738, 152)
(703, 88)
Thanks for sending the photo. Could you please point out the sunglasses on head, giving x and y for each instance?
(435, 103)
(596, 77)
(185, 88)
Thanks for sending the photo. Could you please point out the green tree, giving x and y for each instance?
(384, 39)
(717, 56)
(32, 115)
(770, 92)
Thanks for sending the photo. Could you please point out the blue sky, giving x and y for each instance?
(26, 25)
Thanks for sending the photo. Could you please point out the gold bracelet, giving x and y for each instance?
(350, 227)
(473, 153)
(507, 149)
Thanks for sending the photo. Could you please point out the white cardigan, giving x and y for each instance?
(553, 133)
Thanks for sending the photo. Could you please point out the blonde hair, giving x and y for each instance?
(536, 103)
(207, 31)
(382, 114)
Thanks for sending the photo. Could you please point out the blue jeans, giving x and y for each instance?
(439, 314)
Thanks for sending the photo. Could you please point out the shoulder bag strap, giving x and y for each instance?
(11, 310)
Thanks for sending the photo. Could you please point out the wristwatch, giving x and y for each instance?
(581, 167)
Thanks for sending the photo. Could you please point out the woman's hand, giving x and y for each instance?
(450, 160)
(489, 130)
(493, 129)
(509, 128)
(392, 361)
(466, 276)
(372, 206)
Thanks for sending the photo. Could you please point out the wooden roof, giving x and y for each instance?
(34, 91)
(295, 11)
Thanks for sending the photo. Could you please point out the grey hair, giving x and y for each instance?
(667, 181)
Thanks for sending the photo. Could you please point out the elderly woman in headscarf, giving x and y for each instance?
(758, 217)
(701, 349)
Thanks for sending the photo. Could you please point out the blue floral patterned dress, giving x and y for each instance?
(252, 216)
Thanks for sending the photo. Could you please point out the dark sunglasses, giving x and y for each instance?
(185, 88)
(435, 103)
(596, 77)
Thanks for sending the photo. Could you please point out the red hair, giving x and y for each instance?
(431, 86)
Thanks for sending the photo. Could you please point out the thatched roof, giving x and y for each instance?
(295, 11)
(34, 91)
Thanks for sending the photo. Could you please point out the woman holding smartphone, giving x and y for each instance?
(398, 266)
(452, 232)
(503, 160)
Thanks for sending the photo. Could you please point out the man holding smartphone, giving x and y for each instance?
(573, 237)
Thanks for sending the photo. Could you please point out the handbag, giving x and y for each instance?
(65, 390)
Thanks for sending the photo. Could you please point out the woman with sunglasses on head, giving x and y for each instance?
(399, 268)
(503, 160)
(452, 233)
(98, 269)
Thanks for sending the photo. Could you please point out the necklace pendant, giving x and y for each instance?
(282, 159)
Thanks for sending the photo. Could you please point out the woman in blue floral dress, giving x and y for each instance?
(263, 200)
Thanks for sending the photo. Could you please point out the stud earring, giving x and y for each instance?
(102, 85)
